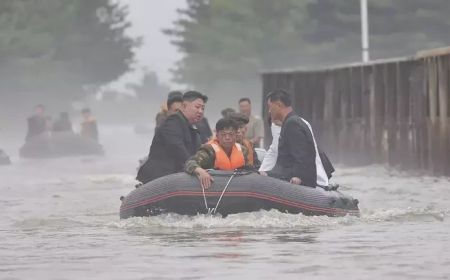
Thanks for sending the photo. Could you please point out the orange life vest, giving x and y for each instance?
(223, 162)
(249, 147)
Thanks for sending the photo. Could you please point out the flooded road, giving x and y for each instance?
(59, 220)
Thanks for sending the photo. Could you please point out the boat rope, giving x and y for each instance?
(206, 203)
(224, 189)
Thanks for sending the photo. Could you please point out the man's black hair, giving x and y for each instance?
(280, 95)
(227, 111)
(240, 118)
(174, 96)
(40, 106)
(226, 123)
(193, 95)
(245, 99)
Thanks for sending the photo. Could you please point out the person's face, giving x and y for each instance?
(240, 134)
(226, 138)
(275, 111)
(174, 107)
(194, 110)
(245, 108)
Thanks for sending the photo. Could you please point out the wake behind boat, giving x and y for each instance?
(60, 144)
(244, 192)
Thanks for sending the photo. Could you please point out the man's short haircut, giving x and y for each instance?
(174, 96)
(227, 111)
(226, 123)
(239, 118)
(40, 106)
(280, 95)
(245, 99)
(86, 110)
(192, 95)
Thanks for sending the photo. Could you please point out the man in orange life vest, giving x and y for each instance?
(222, 153)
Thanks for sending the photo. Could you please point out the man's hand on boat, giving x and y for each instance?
(295, 181)
(204, 177)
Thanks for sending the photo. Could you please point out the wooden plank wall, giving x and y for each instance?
(394, 112)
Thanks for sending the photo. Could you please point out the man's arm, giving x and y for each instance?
(196, 165)
(298, 145)
(173, 135)
(204, 158)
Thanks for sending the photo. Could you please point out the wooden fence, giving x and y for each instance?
(392, 111)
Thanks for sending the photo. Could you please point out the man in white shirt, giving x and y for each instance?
(270, 158)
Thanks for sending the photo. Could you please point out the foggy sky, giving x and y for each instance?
(148, 17)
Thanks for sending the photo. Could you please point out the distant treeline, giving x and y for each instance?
(52, 50)
(230, 41)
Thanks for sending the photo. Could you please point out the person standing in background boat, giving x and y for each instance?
(63, 124)
(175, 140)
(255, 126)
(221, 153)
(37, 124)
(89, 125)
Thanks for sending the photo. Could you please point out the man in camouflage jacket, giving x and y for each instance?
(205, 158)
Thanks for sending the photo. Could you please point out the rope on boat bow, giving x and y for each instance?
(213, 210)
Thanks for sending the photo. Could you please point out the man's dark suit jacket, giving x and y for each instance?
(174, 142)
(296, 152)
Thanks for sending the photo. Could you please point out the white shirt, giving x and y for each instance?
(322, 178)
(270, 158)
(272, 153)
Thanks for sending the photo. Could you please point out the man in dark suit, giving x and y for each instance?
(37, 124)
(298, 158)
(176, 140)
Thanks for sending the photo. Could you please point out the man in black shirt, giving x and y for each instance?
(37, 124)
(296, 161)
(89, 125)
(175, 140)
(63, 124)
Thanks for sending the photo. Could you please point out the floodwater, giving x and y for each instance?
(59, 220)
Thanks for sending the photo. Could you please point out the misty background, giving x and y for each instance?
(124, 56)
(59, 217)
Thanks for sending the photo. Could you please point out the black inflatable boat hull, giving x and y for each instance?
(59, 145)
(180, 193)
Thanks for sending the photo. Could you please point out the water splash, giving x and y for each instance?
(276, 219)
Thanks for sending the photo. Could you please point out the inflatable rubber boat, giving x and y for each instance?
(4, 158)
(60, 144)
(233, 192)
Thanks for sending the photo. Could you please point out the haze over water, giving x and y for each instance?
(60, 220)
